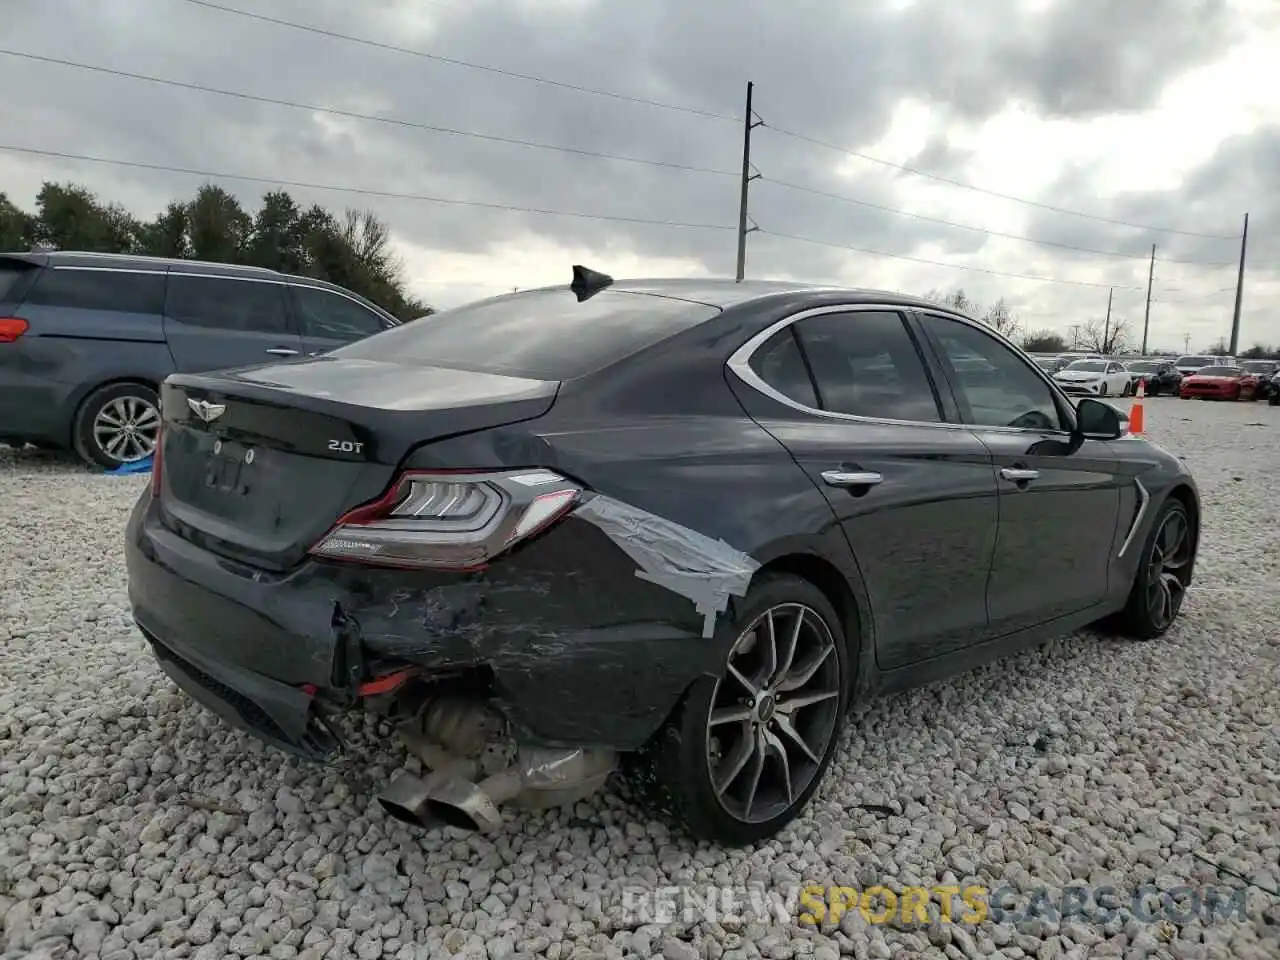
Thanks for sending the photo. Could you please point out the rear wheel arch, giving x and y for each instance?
(849, 602)
(1187, 496)
(84, 394)
(76, 427)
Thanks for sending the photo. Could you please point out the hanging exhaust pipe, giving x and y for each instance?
(409, 799)
(450, 795)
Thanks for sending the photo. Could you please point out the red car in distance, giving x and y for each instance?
(1219, 383)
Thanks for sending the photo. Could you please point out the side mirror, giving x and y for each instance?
(1097, 420)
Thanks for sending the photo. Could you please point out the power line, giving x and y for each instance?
(453, 61)
(969, 186)
(514, 141)
(361, 191)
(353, 115)
(940, 263)
(983, 230)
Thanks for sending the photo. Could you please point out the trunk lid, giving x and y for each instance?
(258, 463)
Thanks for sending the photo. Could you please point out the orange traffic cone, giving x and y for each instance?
(1135, 412)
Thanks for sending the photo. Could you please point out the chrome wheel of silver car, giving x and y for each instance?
(773, 713)
(125, 428)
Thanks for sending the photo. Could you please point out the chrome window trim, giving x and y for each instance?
(147, 273)
(279, 282)
(1144, 499)
(740, 363)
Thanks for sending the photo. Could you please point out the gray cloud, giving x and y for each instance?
(835, 70)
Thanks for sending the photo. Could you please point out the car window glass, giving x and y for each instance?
(247, 306)
(111, 290)
(10, 275)
(541, 334)
(867, 365)
(1001, 388)
(322, 313)
(779, 364)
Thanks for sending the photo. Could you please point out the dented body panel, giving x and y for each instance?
(556, 627)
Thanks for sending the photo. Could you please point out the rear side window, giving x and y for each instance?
(331, 316)
(866, 364)
(247, 306)
(12, 278)
(541, 335)
(780, 364)
(113, 290)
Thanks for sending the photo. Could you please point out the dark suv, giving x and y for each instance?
(86, 339)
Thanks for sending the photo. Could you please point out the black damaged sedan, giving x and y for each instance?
(673, 527)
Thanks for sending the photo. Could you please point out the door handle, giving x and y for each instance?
(850, 478)
(1018, 475)
(282, 352)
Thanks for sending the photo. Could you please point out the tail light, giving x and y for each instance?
(157, 461)
(452, 521)
(11, 328)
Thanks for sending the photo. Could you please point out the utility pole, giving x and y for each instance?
(1146, 317)
(1106, 326)
(1186, 342)
(1235, 317)
(749, 123)
(1075, 336)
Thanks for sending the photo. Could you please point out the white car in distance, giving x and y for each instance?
(1094, 378)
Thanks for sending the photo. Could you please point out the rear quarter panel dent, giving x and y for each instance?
(705, 570)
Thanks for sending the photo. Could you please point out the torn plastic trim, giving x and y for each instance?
(705, 571)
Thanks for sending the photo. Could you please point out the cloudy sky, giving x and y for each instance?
(1094, 129)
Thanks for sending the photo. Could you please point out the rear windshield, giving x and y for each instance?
(1087, 365)
(1194, 361)
(1145, 366)
(1219, 371)
(541, 335)
(1259, 366)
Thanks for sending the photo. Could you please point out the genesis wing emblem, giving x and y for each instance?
(206, 411)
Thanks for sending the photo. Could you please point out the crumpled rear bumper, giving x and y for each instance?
(576, 647)
(274, 712)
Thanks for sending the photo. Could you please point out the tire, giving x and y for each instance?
(1128, 389)
(1166, 560)
(114, 403)
(674, 772)
(1102, 390)
(1273, 400)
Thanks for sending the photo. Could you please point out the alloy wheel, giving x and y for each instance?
(125, 429)
(1166, 570)
(774, 713)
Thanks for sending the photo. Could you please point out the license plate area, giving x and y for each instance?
(229, 468)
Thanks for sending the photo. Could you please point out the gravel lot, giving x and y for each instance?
(133, 824)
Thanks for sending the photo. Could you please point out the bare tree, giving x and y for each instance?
(1106, 339)
(1001, 319)
(957, 299)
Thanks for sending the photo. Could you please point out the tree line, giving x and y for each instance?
(1093, 336)
(352, 250)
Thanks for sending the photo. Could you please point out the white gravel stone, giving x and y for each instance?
(133, 824)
